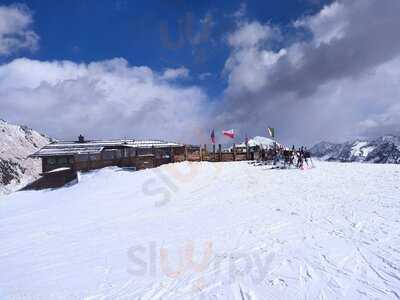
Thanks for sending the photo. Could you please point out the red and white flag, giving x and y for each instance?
(229, 133)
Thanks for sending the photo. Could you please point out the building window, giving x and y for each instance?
(62, 161)
(133, 153)
(145, 151)
(108, 154)
(82, 157)
(125, 152)
(51, 161)
(94, 157)
(159, 154)
(118, 154)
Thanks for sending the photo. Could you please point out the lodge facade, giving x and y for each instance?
(61, 160)
(88, 155)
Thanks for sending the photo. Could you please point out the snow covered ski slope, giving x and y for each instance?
(207, 231)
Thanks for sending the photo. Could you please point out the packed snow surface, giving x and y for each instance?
(207, 231)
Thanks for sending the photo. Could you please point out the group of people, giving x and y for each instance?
(289, 157)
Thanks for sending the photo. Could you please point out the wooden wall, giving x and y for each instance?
(140, 162)
(213, 154)
(149, 158)
(52, 180)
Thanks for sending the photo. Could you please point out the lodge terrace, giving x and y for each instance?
(62, 160)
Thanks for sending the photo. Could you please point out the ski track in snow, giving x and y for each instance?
(327, 233)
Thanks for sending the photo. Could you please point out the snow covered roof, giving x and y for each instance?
(62, 148)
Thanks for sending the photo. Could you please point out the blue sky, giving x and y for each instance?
(149, 33)
(315, 70)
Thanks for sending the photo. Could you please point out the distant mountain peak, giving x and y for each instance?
(384, 149)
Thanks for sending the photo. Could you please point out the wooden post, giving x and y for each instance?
(154, 156)
(171, 152)
(220, 152)
(214, 152)
(102, 159)
(247, 151)
(234, 152)
(201, 154)
(205, 152)
(186, 154)
(87, 163)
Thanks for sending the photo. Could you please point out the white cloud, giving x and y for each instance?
(248, 64)
(173, 74)
(329, 24)
(341, 82)
(100, 99)
(15, 30)
(250, 35)
(248, 69)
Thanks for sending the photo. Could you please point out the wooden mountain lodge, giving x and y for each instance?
(61, 161)
(88, 155)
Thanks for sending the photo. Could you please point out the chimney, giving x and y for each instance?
(81, 139)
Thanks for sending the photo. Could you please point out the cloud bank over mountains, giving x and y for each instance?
(341, 82)
(100, 99)
(337, 81)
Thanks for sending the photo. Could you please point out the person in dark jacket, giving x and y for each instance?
(300, 158)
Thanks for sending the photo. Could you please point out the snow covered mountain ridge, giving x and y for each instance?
(385, 149)
(16, 144)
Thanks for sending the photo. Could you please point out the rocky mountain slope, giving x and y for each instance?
(16, 144)
(385, 149)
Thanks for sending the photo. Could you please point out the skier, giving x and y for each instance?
(263, 158)
(300, 157)
(276, 155)
(287, 156)
(292, 154)
(307, 156)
